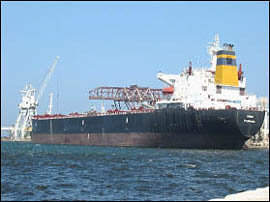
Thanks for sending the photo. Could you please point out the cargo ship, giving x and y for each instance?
(201, 108)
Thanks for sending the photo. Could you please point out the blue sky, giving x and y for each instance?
(120, 44)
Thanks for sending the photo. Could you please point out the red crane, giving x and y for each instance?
(131, 95)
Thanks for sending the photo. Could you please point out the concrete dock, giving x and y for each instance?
(260, 194)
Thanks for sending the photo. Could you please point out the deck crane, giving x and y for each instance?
(28, 107)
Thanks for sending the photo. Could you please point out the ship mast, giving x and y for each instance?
(50, 104)
(213, 48)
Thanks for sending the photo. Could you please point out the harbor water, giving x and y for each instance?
(65, 172)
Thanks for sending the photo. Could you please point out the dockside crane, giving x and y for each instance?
(28, 107)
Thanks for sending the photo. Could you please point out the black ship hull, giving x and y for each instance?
(169, 128)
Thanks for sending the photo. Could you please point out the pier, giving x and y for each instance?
(260, 194)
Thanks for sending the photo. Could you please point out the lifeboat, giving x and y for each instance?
(168, 90)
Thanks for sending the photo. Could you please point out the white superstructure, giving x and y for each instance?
(221, 86)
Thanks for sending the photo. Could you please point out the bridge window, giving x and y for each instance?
(229, 61)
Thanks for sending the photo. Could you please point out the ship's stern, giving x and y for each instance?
(249, 122)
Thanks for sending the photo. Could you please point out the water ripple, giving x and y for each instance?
(63, 172)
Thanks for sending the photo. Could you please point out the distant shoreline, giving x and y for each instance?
(4, 139)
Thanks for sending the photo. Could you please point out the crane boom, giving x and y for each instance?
(46, 79)
(167, 78)
(129, 95)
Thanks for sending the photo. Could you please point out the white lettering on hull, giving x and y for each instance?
(249, 121)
